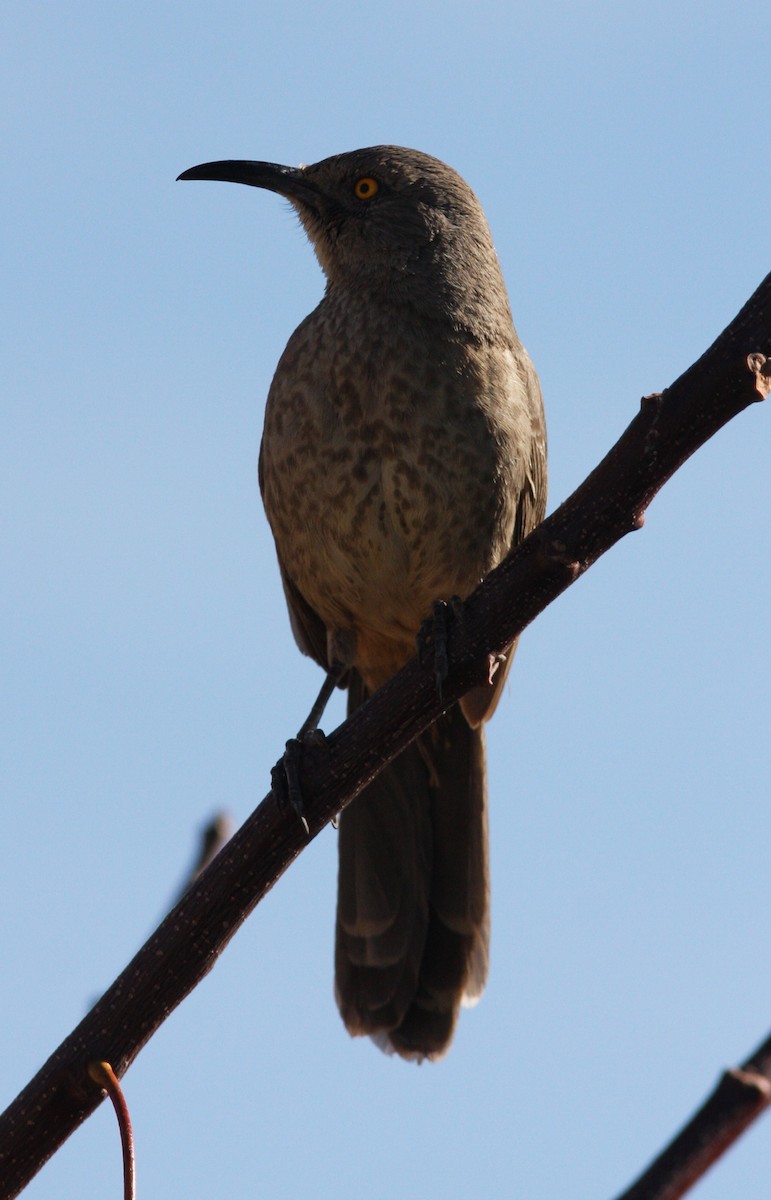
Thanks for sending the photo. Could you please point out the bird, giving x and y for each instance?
(403, 457)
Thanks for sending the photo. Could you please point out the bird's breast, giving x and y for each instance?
(388, 462)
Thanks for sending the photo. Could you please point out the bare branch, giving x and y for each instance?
(740, 1096)
(729, 377)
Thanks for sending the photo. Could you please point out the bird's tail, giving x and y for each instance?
(413, 909)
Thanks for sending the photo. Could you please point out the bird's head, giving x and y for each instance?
(387, 218)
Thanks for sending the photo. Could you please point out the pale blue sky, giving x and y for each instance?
(149, 674)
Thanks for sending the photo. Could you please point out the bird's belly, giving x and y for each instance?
(374, 539)
(388, 480)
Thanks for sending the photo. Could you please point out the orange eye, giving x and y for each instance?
(365, 188)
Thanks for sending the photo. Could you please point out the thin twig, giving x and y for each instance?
(103, 1074)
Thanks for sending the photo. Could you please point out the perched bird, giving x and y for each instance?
(403, 456)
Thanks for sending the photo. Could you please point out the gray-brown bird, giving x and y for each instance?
(403, 456)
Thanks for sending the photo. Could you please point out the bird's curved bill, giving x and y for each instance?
(287, 181)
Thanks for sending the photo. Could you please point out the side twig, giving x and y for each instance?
(103, 1074)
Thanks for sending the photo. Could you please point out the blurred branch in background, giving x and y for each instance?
(212, 838)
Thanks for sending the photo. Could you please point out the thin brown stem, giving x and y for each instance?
(103, 1074)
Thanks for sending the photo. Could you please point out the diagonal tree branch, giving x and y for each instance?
(730, 376)
(739, 1096)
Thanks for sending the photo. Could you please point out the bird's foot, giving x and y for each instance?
(285, 776)
(333, 678)
(433, 638)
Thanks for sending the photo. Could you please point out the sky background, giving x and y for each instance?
(149, 674)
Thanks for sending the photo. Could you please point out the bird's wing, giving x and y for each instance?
(480, 703)
(307, 626)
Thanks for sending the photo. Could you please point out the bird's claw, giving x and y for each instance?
(433, 638)
(285, 775)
